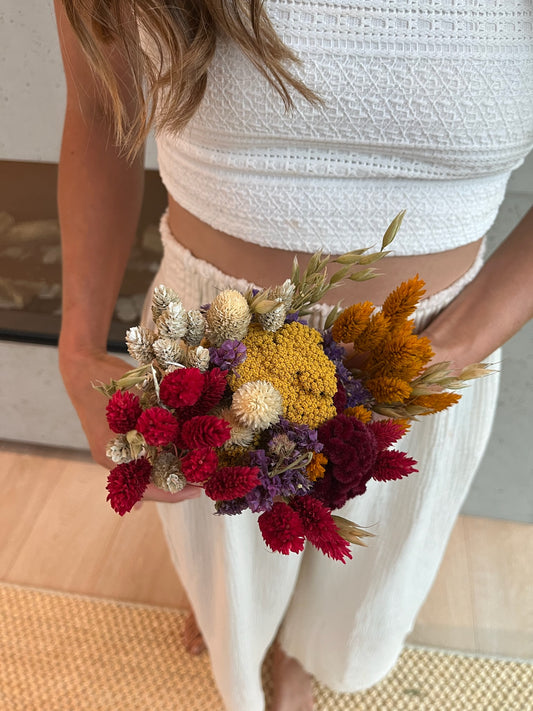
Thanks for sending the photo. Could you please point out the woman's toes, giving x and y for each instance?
(192, 637)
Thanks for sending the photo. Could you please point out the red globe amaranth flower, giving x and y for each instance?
(127, 483)
(282, 529)
(182, 387)
(212, 392)
(392, 464)
(232, 482)
(204, 431)
(320, 528)
(198, 464)
(123, 410)
(158, 426)
(386, 432)
(214, 387)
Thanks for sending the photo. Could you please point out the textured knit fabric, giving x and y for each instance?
(345, 623)
(428, 106)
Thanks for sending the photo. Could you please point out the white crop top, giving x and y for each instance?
(428, 108)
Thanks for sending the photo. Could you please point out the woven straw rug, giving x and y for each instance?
(70, 653)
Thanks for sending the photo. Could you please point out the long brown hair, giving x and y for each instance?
(170, 86)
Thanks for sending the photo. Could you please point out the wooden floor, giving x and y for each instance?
(59, 533)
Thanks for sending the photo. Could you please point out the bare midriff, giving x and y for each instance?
(266, 266)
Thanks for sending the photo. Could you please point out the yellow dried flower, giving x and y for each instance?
(401, 356)
(360, 412)
(404, 424)
(373, 335)
(351, 322)
(436, 402)
(387, 389)
(257, 404)
(317, 466)
(293, 360)
(402, 302)
(228, 317)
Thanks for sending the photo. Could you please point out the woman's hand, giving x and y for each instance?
(79, 371)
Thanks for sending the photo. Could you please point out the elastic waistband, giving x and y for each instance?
(178, 260)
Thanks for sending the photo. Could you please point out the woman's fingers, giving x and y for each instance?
(152, 493)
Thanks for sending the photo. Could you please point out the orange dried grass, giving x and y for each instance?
(436, 402)
(373, 335)
(402, 302)
(402, 356)
(351, 322)
(389, 390)
(360, 413)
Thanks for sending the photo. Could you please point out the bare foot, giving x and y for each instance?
(293, 686)
(192, 637)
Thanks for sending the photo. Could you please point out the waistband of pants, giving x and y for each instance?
(179, 260)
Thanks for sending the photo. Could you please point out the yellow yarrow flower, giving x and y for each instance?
(292, 360)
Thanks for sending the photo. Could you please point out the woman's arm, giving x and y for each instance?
(99, 201)
(493, 307)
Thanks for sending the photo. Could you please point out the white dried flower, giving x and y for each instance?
(196, 325)
(241, 436)
(285, 292)
(228, 317)
(198, 357)
(161, 298)
(173, 321)
(166, 473)
(139, 341)
(168, 353)
(274, 319)
(119, 450)
(257, 404)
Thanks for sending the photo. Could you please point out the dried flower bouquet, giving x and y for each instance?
(245, 399)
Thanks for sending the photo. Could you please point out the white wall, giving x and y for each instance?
(32, 86)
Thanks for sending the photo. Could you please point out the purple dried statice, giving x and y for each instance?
(231, 508)
(228, 355)
(294, 316)
(356, 393)
(304, 437)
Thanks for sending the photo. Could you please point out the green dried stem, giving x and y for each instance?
(440, 374)
(335, 311)
(301, 461)
(128, 380)
(400, 411)
(392, 230)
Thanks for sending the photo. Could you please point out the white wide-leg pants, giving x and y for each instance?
(346, 624)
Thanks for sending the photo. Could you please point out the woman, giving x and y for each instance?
(393, 105)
